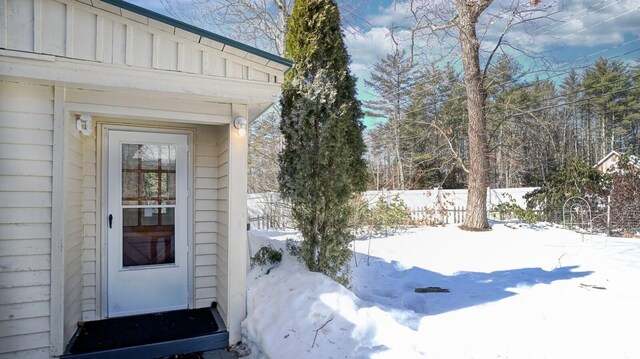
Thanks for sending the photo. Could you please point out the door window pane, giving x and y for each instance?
(148, 174)
(148, 236)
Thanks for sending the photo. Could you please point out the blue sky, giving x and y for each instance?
(576, 32)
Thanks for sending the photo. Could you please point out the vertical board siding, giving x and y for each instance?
(142, 48)
(89, 215)
(167, 53)
(20, 24)
(26, 138)
(205, 231)
(85, 27)
(82, 31)
(73, 239)
(54, 20)
(222, 146)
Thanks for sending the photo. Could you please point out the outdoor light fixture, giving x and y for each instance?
(240, 124)
(83, 124)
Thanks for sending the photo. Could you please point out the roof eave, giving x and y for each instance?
(198, 31)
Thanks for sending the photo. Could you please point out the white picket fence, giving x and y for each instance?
(267, 211)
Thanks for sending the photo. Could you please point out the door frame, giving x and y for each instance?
(102, 163)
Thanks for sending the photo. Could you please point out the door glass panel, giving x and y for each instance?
(148, 236)
(148, 174)
(149, 192)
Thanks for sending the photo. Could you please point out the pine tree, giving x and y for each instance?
(392, 80)
(322, 164)
(606, 83)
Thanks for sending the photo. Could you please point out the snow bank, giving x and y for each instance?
(287, 307)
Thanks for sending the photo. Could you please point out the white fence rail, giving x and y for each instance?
(267, 211)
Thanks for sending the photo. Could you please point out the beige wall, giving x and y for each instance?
(26, 147)
(90, 244)
(73, 229)
(222, 220)
(205, 213)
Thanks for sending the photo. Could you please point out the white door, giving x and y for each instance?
(147, 217)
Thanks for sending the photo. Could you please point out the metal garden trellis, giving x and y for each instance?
(576, 215)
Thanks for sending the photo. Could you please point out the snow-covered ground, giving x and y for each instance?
(534, 292)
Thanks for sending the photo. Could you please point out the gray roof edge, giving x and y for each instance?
(199, 31)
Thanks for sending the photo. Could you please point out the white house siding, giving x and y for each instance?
(26, 153)
(222, 221)
(74, 221)
(205, 229)
(107, 34)
(90, 249)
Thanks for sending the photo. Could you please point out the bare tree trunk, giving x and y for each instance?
(476, 214)
(396, 146)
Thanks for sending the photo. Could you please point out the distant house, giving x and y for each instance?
(122, 174)
(609, 163)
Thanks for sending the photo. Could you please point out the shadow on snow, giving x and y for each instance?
(392, 286)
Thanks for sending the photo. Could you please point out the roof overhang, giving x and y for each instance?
(204, 36)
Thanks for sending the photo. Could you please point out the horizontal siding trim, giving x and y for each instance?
(24, 342)
(25, 230)
(24, 279)
(206, 227)
(24, 310)
(25, 199)
(25, 168)
(206, 205)
(25, 263)
(206, 248)
(208, 237)
(206, 172)
(205, 260)
(39, 353)
(26, 136)
(26, 183)
(24, 295)
(206, 281)
(24, 326)
(206, 271)
(25, 215)
(17, 247)
(27, 121)
(26, 152)
(206, 194)
(206, 183)
(207, 292)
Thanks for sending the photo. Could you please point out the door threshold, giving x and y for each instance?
(153, 335)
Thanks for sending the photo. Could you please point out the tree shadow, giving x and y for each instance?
(390, 285)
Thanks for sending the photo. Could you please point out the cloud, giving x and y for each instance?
(366, 47)
(394, 14)
(586, 23)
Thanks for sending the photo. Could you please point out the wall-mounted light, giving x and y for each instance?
(241, 124)
(83, 124)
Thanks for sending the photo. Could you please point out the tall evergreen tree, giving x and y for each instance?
(392, 80)
(607, 82)
(322, 163)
